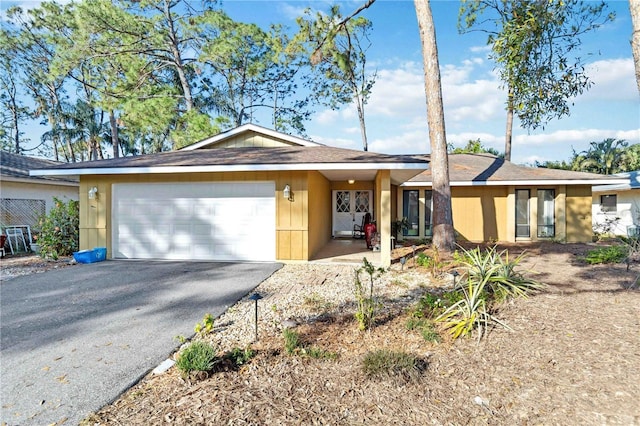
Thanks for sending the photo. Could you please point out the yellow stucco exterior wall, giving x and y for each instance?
(319, 212)
(480, 214)
(579, 225)
(487, 213)
(292, 217)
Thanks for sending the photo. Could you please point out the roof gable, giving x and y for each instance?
(250, 136)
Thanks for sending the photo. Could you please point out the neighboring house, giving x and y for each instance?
(494, 199)
(246, 194)
(258, 195)
(24, 198)
(616, 208)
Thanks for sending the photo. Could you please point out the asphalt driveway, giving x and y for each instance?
(71, 340)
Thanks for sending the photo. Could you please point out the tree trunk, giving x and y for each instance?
(177, 57)
(443, 232)
(15, 125)
(363, 128)
(634, 7)
(508, 134)
(114, 134)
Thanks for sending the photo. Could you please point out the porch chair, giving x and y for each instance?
(358, 230)
(17, 235)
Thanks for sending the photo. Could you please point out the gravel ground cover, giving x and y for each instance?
(571, 358)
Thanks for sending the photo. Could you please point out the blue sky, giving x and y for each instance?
(473, 101)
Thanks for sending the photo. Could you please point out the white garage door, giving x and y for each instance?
(194, 221)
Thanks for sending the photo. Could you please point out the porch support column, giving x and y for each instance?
(383, 209)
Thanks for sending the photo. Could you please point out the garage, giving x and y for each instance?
(228, 221)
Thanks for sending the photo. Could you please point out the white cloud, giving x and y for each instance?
(580, 137)
(480, 49)
(328, 116)
(559, 145)
(397, 92)
(614, 79)
(410, 142)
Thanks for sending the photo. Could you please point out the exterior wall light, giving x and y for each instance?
(351, 181)
(93, 193)
(287, 192)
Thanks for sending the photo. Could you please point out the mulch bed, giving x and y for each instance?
(572, 358)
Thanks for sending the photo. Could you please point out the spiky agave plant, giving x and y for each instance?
(470, 313)
(500, 273)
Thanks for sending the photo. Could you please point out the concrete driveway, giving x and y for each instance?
(73, 339)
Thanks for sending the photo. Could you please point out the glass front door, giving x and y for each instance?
(349, 209)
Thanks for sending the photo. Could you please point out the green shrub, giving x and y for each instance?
(198, 356)
(423, 260)
(293, 345)
(292, 341)
(469, 313)
(609, 254)
(319, 353)
(206, 326)
(425, 327)
(499, 273)
(366, 302)
(490, 278)
(60, 230)
(429, 333)
(239, 356)
(383, 363)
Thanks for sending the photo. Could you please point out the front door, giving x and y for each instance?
(349, 208)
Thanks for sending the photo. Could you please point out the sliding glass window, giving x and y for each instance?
(522, 213)
(546, 213)
(428, 213)
(410, 211)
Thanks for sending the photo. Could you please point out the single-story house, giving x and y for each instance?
(247, 194)
(496, 200)
(616, 208)
(258, 195)
(24, 198)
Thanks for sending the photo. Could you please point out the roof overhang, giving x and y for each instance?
(610, 188)
(523, 182)
(400, 172)
(39, 181)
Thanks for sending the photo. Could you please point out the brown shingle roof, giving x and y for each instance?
(247, 156)
(18, 166)
(472, 168)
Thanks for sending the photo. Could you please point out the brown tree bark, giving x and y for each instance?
(114, 134)
(634, 7)
(443, 232)
(509, 131)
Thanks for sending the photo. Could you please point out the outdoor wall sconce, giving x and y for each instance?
(351, 181)
(287, 192)
(93, 193)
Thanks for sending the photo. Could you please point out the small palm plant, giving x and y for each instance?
(491, 277)
(503, 280)
(469, 313)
